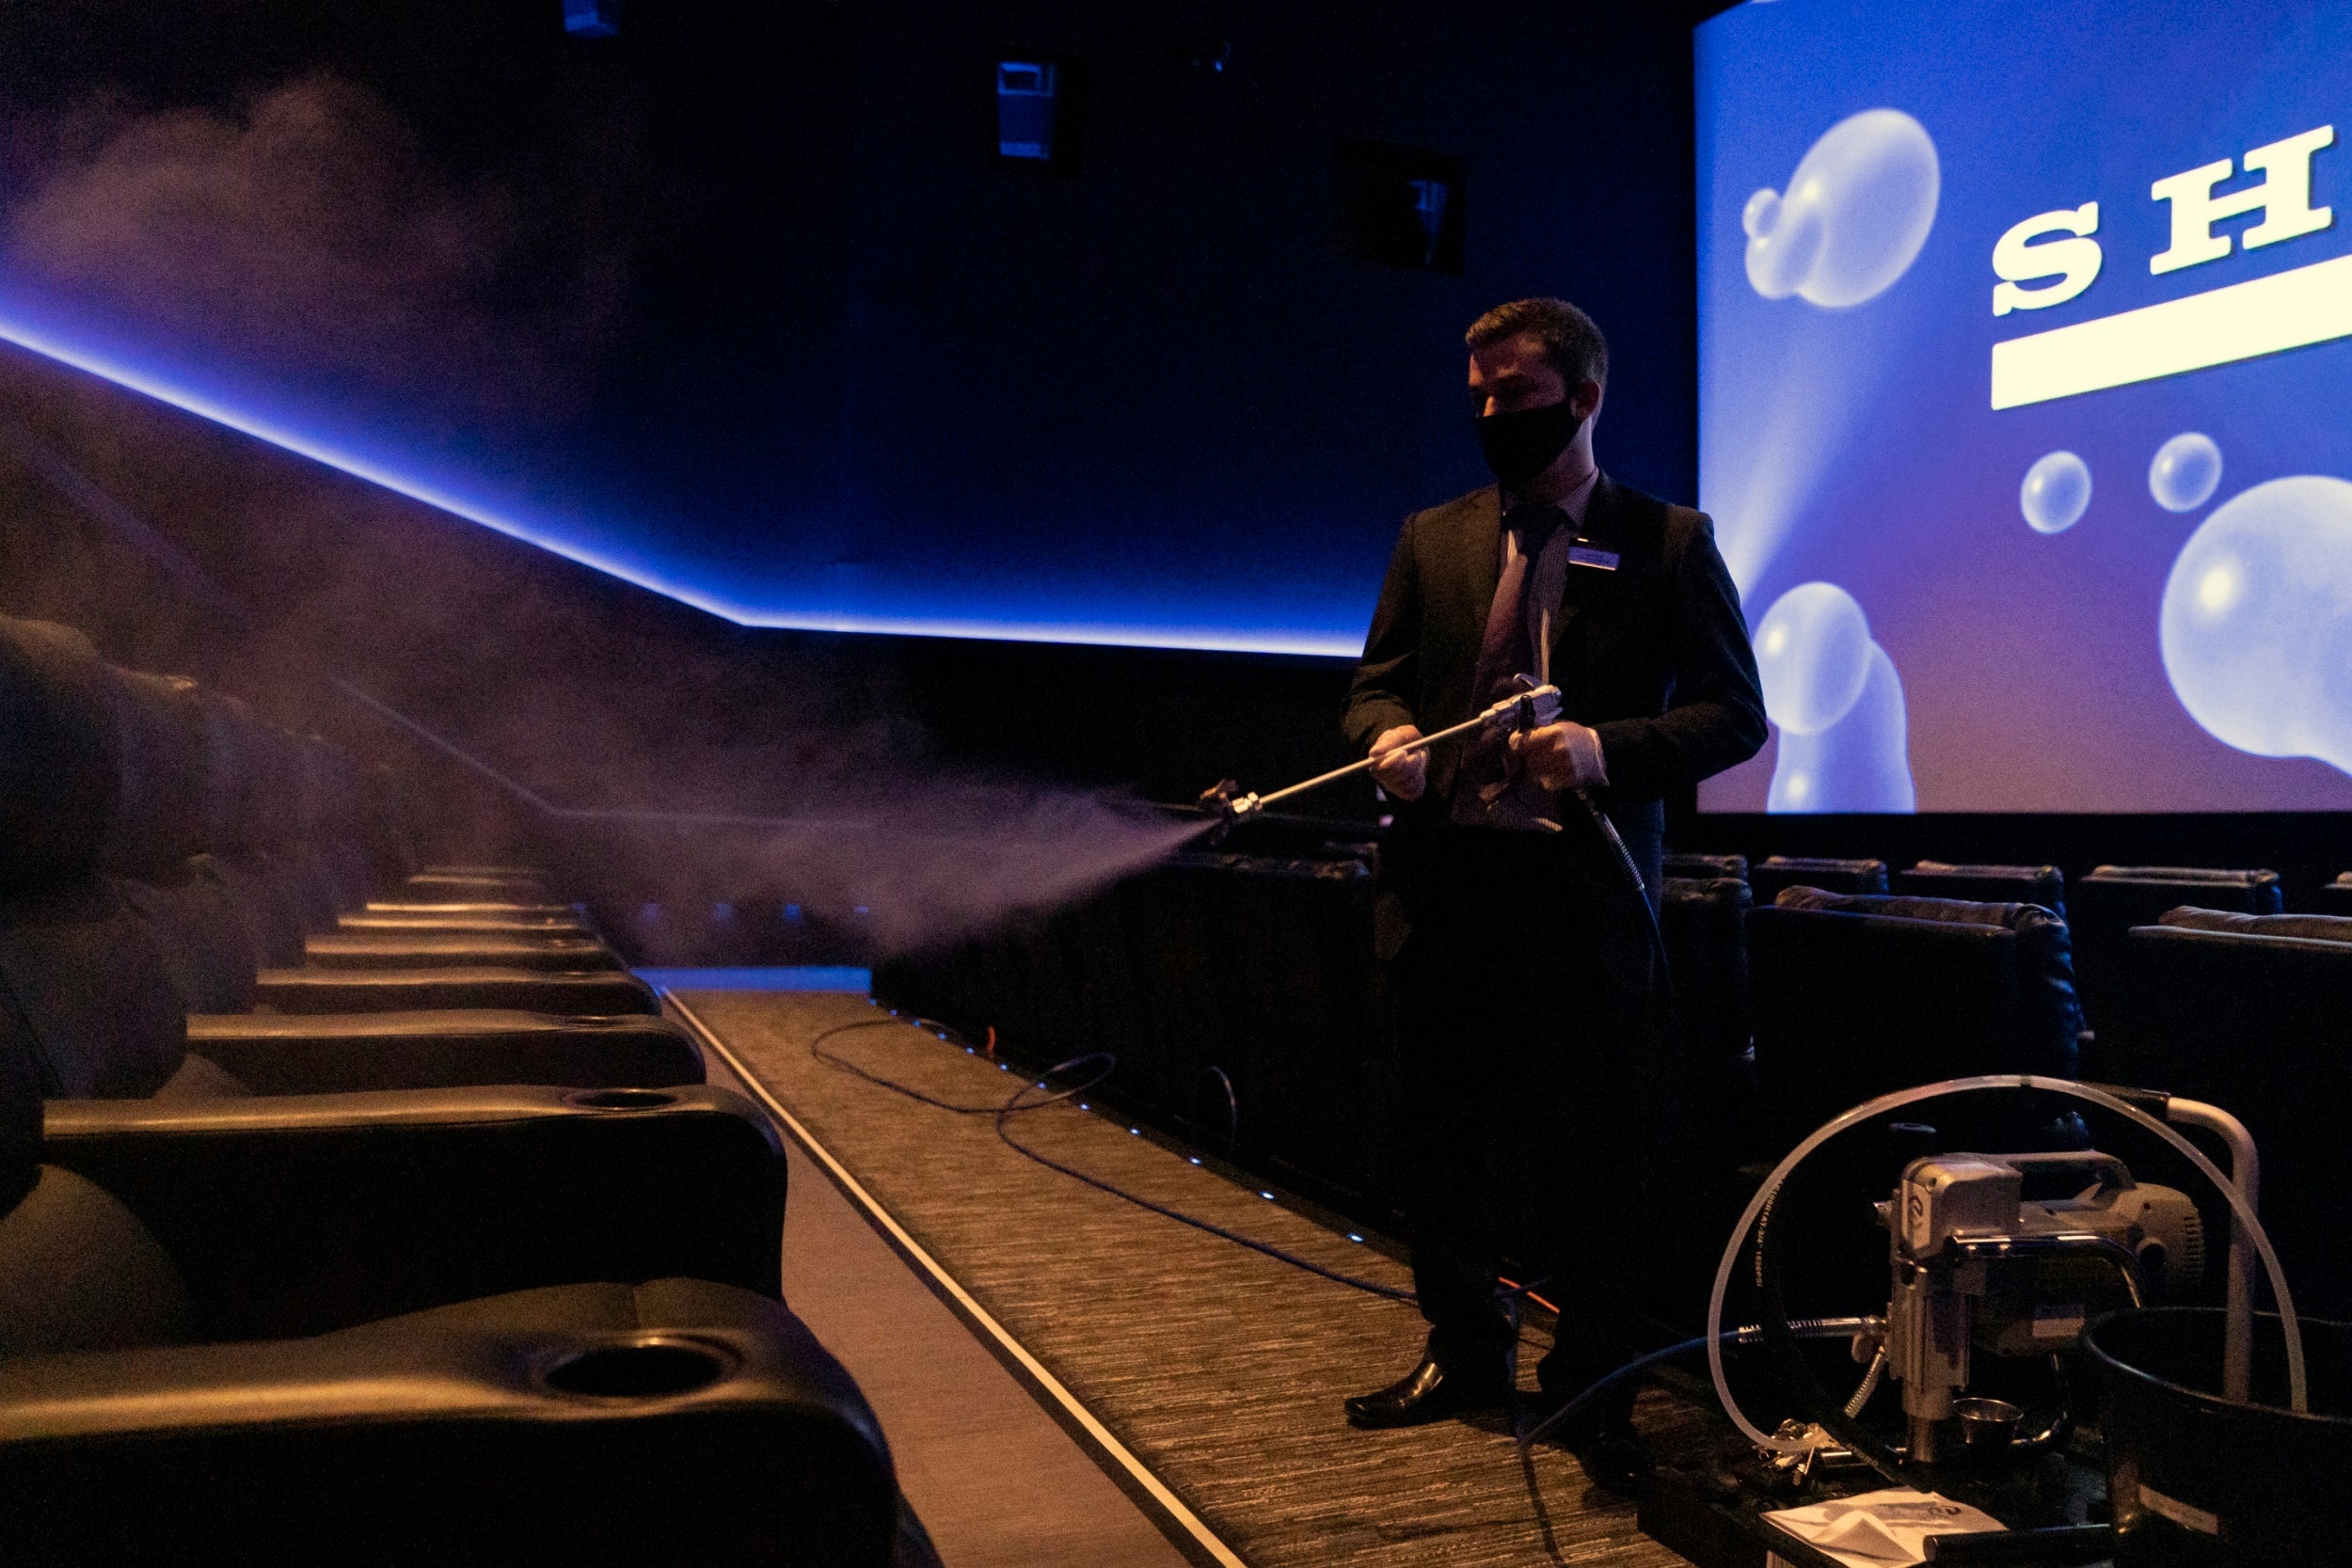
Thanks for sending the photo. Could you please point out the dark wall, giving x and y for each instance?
(830, 351)
(850, 337)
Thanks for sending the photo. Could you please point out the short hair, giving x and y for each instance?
(1571, 344)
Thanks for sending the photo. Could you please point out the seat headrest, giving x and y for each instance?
(2187, 874)
(2049, 1016)
(2021, 918)
(1719, 892)
(58, 775)
(2044, 885)
(2312, 927)
(1702, 867)
(1851, 875)
(160, 757)
(1989, 873)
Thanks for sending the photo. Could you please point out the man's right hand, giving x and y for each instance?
(1404, 775)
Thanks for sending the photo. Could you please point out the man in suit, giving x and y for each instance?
(1522, 964)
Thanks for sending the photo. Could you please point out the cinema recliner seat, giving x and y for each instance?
(1705, 868)
(2044, 885)
(99, 966)
(383, 1336)
(1768, 877)
(1713, 1103)
(1856, 995)
(151, 771)
(2106, 905)
(396, 949)
(1851, 996)
(2247, 1012)
(2335, 897)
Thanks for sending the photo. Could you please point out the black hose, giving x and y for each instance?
(1016, 1105)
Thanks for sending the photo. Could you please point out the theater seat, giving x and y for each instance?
(1712, 1100)
(1776, 872)
(361, 990)
(379, 1334)
(1854, 996)
(1705, 925)
(2335, 897)
(675, 1422)
(1707, 868)
(2248, 1013)
(2106, 905)
(332, 1052)
(302, 1213)
(487, 922)
(568, 953)
(209, 823)
(2044, 885)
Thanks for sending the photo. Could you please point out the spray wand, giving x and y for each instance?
(1530, 708)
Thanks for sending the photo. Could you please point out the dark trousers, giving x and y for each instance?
(1523, 1021)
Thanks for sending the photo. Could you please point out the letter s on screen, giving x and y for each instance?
(2075, 262)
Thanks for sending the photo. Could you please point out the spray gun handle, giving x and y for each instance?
(1529, 707)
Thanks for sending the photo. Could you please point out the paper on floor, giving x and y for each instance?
(1880, 1530)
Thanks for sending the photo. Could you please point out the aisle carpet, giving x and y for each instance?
(1221, 1368)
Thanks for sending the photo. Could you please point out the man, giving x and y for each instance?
(1523, 960)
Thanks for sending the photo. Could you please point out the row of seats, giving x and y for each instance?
(2102, 908)
(352, 1210)
(1806, 1005)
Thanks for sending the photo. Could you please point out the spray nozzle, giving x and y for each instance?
(1227, 799)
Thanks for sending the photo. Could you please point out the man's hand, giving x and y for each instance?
(1404, 776)
(1562, 756)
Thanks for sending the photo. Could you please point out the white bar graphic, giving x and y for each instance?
(2287, 309)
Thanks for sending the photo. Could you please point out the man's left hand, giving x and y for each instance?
(1562, 756)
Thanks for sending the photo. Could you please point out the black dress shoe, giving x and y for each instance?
(1428, 1393)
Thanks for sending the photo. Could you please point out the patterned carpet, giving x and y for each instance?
(1223, 1370)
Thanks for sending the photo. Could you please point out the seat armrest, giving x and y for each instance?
(340, 1052)
(309, 1213)
(564, 953)
(602, 994)
(416, 1442)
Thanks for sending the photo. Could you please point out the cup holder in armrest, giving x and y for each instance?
(621, 1099)
(648, 1369)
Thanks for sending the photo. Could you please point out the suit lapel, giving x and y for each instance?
(1585, 584)
(1481, 549)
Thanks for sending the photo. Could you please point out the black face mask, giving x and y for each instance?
(1524, 442)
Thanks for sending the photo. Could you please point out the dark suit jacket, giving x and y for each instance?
(1654, 656)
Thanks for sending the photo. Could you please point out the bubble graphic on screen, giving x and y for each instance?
(1813, 650)
(2256, 629)
(1861, 763)
(2055, 492)
(1853, 217)
(1839, 705)
(2185, 473)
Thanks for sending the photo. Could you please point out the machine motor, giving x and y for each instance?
(1978, 1265)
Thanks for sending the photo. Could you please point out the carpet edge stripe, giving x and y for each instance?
(1174, 1507)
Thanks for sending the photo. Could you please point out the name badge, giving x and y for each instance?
(1583, 554)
